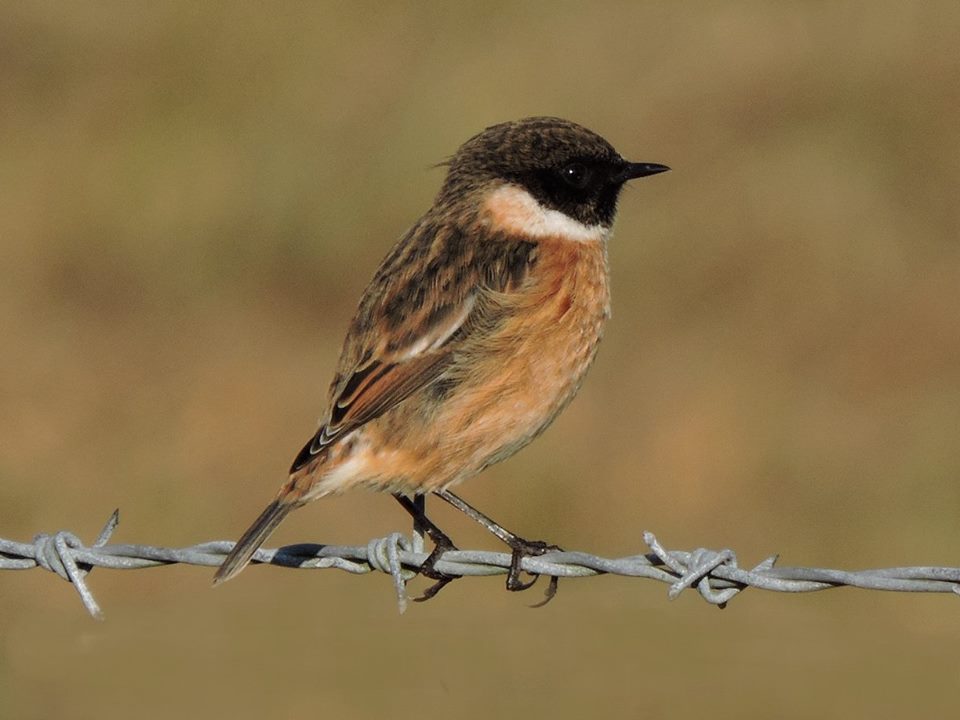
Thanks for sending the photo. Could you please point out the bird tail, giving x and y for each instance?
(252, 539)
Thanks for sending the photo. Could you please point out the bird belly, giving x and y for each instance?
(547, 350)
(506, 391)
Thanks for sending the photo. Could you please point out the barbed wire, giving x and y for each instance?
(715, 574)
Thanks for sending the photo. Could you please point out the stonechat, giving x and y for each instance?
(475, 332)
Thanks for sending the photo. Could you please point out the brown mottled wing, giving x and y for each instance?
(421, 305)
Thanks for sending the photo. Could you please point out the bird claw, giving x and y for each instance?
(530, 548)
(428, 569)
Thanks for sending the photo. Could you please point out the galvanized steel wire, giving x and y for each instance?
(715, 574)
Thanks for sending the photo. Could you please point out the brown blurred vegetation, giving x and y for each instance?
(192, 197)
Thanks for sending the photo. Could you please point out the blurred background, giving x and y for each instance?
(192, 198)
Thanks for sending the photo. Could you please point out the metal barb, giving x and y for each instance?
(715, 574)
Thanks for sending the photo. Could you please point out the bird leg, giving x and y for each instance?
(441, 543)
(520, 547)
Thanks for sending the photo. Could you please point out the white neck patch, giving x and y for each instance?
(513, 209)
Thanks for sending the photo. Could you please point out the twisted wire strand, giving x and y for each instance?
(715, 574)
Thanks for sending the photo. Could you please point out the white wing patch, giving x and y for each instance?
(442, 332)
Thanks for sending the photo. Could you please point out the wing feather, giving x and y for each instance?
(428, 297)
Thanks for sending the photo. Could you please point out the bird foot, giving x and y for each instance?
(529, 548)
(428, 569)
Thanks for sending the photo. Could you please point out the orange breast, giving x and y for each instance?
(533, 367)
(512, 384)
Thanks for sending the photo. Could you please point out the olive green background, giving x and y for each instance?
(192, 198)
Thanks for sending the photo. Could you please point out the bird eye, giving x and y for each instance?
(576, 175)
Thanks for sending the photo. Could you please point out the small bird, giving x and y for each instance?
(475, 332)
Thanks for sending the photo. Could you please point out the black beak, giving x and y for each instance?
(639, 170)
